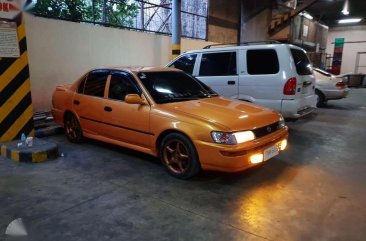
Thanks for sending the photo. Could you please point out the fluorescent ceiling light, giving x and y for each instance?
(306, 15)
(345, 10)
(350, 20)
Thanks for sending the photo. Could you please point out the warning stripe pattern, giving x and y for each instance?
(16, 113)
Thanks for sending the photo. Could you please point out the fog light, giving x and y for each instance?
(256, 158)
(282, 144)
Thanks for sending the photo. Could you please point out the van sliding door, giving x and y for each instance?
(219, 71)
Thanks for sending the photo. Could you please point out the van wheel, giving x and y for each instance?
(73, 129)
(179, 156)
(321, 99)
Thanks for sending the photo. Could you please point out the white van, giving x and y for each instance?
(275, 75)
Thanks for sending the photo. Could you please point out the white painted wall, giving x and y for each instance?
(59, 52)
(350, 49)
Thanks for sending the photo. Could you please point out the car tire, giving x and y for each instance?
(73, 129)
(321, 99)
(179, 156)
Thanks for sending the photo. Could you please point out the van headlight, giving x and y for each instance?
(232, 138)
(281, 122)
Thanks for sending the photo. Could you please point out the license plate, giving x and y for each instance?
(270, 152)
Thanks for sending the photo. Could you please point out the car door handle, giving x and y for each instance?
(76, 102)
(231, 82)
(108, 109)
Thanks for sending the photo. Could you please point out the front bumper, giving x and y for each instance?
(234, 158)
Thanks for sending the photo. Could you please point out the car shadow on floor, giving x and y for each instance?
(263, 173)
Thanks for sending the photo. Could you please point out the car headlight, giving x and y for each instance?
(232, 138)
(281, 122)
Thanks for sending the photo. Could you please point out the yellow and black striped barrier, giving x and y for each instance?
(175, 50)
(16, 112)
(39, 152)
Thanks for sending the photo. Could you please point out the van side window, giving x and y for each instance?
(95, 83)
(262, 61)
(185, 63)
(302, 62)
(218, 64)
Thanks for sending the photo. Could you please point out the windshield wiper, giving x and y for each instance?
(207, 95)
(174, 99)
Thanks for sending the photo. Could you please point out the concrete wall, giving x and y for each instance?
(256, 28)
(60, 52)
(350, 49)
(238, 20)
(282, 35)
(223, 21)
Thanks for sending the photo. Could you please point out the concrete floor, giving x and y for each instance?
(314, 191)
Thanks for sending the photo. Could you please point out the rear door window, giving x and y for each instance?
(185, 63)
(96, 82)
(218, 64)
(262, 61)
(302, 62)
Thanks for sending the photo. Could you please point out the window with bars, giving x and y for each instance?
(143, 15)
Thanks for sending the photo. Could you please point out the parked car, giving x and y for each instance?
(329, 87)
(278, 76)
(167, 113)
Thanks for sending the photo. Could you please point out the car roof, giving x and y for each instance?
(235, 47)
(138, 69)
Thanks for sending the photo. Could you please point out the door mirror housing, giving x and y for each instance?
(135, 99)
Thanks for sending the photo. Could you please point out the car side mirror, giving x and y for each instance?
(134, 99)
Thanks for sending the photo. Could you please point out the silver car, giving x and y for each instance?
(329, 87)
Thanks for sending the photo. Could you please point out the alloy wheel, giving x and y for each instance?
(176, 156)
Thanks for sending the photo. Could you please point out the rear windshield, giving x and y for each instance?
(323, 72)
(303, 65)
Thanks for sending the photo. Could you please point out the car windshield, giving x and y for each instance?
(173, 86)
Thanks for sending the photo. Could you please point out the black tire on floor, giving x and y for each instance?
(73, 129)
(321, 99)
(179, 156)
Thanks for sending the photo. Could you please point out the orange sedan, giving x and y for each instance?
(169, 114)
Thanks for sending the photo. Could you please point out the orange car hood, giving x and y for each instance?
(233, 114)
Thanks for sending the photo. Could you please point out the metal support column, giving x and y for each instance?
(176, 27)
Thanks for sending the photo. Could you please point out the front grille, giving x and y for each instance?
(265, 130)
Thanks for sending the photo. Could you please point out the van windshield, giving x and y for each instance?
(302, 62)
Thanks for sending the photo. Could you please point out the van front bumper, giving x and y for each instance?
(298, 107)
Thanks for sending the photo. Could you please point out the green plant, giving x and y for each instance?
(119, 13)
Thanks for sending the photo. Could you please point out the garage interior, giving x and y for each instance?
(314, 190)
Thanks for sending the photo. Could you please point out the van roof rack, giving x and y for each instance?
(244, 43)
